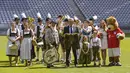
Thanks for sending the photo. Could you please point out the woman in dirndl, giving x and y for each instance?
(13, 35)
(32, 27)
(103, 37)
(27, 36)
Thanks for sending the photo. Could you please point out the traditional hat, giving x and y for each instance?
(39, 17)
(15, 17)
(49, 15)
(93, 18)
(24, 17)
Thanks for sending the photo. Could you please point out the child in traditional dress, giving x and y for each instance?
(13, 35)
(26, 46)
(96, 45)
(85, 55)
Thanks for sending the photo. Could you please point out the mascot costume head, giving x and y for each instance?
(115, 34)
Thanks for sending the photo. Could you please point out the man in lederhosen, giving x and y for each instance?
(71, 41)
(39, 34)
(49, 38)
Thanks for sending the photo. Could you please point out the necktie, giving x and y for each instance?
(70, 29)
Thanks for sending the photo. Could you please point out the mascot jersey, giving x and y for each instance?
(113, 41)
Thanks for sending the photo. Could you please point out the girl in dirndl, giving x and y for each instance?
(85, 55)
(103, 37)
(25, 51)
(13, 35)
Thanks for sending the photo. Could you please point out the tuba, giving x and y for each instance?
(51, 55)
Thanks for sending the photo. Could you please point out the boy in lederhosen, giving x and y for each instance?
(95, 45)
(39, 35)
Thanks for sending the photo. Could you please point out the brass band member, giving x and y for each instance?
(39, 35)
(49, 37)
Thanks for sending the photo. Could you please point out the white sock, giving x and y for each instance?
(42, 54)
(77, 52)
(64, 56)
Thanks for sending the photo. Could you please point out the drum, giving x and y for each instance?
(51, 55)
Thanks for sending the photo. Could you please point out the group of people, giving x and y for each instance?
(84, 38)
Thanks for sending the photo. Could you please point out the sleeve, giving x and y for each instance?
(8, 32)
(35, 31)
(48, 36)
(18, 32)
(120, 31)
(64, 30)
(21, 33)
(89, 46)
(91, 43)
(32, 32)
(89, 29)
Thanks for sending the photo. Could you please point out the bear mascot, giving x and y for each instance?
(114, 35)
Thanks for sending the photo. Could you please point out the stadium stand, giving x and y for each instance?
(102, 8)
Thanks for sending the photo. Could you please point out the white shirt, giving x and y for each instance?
(70, 29)
(19, 27)
(15, 31)
(95, 42)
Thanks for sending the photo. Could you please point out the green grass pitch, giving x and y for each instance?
(59, 68)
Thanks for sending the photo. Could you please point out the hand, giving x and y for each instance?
(12, 40)
(121, 37)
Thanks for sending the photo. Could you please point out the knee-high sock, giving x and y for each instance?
(77, 52)
(37, 55)
(42, 54)
(117, 59)
(63, 57)
(111, 59)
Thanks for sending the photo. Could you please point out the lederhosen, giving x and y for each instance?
(39, 39)
(96, 53)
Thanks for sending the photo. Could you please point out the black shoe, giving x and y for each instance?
(51, 65)
(94, 64)
(111, 64)
(82, 65)
(75, 65)
(37, 60)
(41, 60)
(86, 65)
(118, 64)
(99, 65)
(67, 65)
(48, 66)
